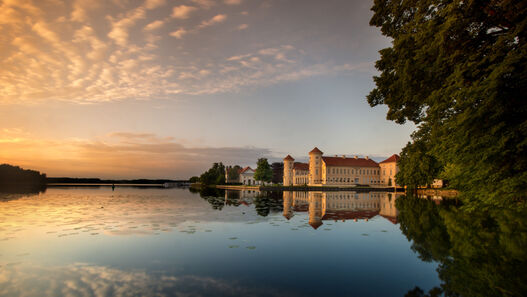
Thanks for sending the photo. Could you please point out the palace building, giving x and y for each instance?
(340, 171)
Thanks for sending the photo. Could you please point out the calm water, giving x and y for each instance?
(173, 242)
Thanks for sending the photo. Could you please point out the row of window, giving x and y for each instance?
(348, 180)
(352, 171)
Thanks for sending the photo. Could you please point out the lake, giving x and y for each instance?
(92, 241)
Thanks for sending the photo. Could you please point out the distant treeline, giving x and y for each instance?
(14, 175)
(73, 180)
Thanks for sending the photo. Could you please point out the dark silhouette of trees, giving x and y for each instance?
(278, 172)
(14, 175)
(214, 176)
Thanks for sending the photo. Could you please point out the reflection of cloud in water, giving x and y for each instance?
(70, 212)
(90, 280)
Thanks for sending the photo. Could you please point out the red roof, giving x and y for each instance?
(300, 166)
(316, 150)
(245, 169)
(391, 219)
(288, 158)
(351, 162)
(393, 158)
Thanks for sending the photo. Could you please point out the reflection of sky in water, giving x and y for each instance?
(140, 242)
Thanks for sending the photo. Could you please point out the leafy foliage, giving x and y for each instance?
(458, 69)
(233, 173)
(214, 176)
(263, 171)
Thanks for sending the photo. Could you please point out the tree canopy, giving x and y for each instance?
(457, 69)
(263, 171)
(214, 176)
(233, 173)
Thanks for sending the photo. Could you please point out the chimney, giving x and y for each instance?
(367, 158)
(356, 157)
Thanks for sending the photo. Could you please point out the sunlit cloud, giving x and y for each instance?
(154, 25)
(182, 11)
(204, 3)
(232, 2)
(220, 18)
(179, 33)
(91, 51)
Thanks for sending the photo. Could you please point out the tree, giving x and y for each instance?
(233, 173)
(263, 171)
(214, 176)
(194, 179)
(417, 167)
(278, 172)
(458, 69)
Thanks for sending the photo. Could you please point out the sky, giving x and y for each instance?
(162, 89)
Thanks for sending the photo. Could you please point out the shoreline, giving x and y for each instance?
(308, 188)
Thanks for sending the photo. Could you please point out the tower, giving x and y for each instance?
(288, 170)
(315, 166)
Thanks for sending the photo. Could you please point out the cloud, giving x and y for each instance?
(154, 25)
(219, 18)
(232, 2)
(60, 55)
(119, 155)
(153, 4)
(204, 3)
(179, 33)
(81, 8)
(182, 11)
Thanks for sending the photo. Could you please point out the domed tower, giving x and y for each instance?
(288, 170)
(315, 166)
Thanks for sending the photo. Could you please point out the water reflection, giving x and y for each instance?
(80, 279)
(13, 192)
(167, 242)
(340, 206)
(481, 252)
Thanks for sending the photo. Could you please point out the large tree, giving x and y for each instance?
(278, 172)
(233, 173)
(214, 176)
(263, 171)
(457, 69)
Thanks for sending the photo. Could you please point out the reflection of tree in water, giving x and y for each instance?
(264, 202)
(481, 253)
(214, 196)
(13, 192)
(233, 198)
(267, 202)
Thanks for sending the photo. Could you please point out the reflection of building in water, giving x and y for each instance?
(339, 171)
(340, 206)
(244, 197)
